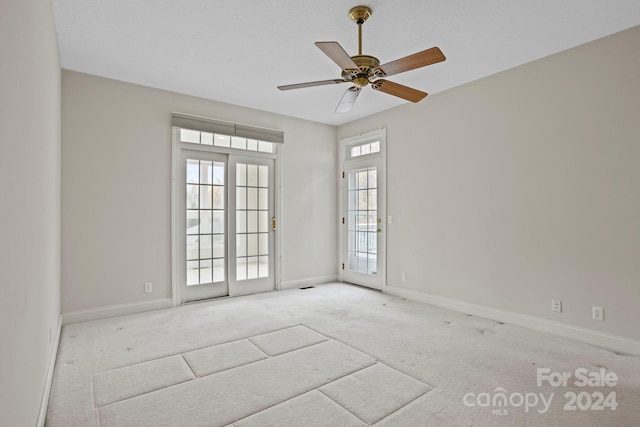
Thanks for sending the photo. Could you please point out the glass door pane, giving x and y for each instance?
(362, 224)
(252, 225)
(205, 222)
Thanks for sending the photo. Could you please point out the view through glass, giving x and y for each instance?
(362, 224)
(205, 220)
(252, 221)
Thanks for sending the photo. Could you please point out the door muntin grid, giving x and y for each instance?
(362, 223)
(205, 222)
(252, 221)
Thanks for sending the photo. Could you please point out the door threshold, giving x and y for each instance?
(196, 301)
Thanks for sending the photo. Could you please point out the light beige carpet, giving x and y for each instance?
(333, 355)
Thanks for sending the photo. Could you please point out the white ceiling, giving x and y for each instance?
(238, 51)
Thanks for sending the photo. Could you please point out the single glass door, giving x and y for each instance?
(253, 225)
(204, 217)
(364, 222)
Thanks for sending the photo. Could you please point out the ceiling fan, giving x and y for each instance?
(361, 70)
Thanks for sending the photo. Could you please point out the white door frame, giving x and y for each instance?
(176, 237)
(344, 156)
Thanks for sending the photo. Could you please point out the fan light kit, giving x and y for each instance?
(361, 70)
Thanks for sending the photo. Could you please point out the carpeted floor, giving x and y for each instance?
(333, 355)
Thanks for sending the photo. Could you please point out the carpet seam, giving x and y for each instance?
(302, 393)
(289, 351)
(258, 347)
(337, 403)
(375, 357)
(259, 360)
(147, 392)
(343, 343)
(93, 391)
(403, 406)
(410, 376)
(198, 348)
(97, 406)
(273, 406)
(227, 369)
(351, 373)
(195, 376)
(295, 349)
(95, 403)
(395, 410)
(214, 373)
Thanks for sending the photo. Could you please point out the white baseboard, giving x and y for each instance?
(42, 415)
(311, 281)
(115, 310)
(612, 342)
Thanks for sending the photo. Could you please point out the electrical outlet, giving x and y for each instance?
(403, 277)
(598, 313)
(556, 305)
(148, 287)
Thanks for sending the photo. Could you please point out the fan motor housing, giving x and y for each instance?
(366, 61)
(366, 66)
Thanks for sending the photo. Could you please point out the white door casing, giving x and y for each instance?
(362, 205)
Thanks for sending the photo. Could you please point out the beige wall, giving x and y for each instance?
(30, 209)
(116, 190)
(523, 187)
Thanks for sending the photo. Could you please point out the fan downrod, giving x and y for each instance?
(359, 15)
(366, 63)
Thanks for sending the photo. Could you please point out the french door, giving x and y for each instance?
(227, 243)
(252, 225)
(363, 229)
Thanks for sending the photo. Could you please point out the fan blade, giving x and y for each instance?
(311, 84)
(411, 62)
(337, 54)
(398, 90)
(348, 99)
